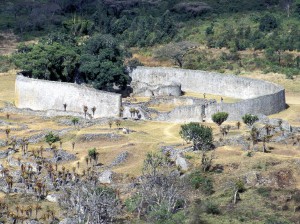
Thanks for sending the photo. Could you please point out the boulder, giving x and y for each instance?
(52, 198)
(181, 162)
(67, 221)
(106, 177)
(125, 131)
(251, 178)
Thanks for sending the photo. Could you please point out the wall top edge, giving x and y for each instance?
(163, 69)
(22, 78)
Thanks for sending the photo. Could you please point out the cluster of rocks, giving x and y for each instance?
(62, 156)
(144, 89)
(177, 155)
(104, 136)
(277, 179)
(121, 158)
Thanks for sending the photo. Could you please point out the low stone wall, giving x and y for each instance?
(259, 97)
(48, 95)
(144, 89)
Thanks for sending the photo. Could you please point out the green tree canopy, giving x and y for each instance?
(200, 135)
(50, 59)
(50, 138)
(102, 63)
(249, 119)
(219, 117)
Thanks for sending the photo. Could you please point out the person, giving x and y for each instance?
(221, 99)
(204, 95)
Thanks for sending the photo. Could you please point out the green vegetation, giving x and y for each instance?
(260, 35)
(219, 117)
(249, 119)
(200, 135)
(51, 138)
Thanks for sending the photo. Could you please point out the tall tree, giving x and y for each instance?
(102, 63)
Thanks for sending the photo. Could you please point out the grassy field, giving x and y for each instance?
(150, 136)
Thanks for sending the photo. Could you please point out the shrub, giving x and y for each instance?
(249, 119)
(211, 208)
(50, 138)
(200, 135)
(264, 192)
(199, 181)
(219, 117)
(268, 23)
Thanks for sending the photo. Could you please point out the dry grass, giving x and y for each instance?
(7, 87)
(8, 43)
(149, 136)
(211, 96)
(292, 87)
(152, 62)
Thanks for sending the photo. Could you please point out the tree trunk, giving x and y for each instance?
(236, 197)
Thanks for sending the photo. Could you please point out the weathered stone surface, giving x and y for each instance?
(52, 198)
(106, 177)
(260, 97)
(105, 136)
(148, 90)
(252, 178)
(4, 153)
(30, 93)
(31, 222)
(67, 221)
(121, 158)
(181, 162)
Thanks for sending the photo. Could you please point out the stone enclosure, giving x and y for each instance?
(164, 86)
(258, 97)
(39, 94)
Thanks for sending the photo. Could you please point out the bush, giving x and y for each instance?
(249, 119)
(200, 135)
(240, 186)
(199, 181)
(264, 192)
(268, 23)
(211, 208)
(219, 117)
(50, 138)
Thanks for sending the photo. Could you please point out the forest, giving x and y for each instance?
(247, 35)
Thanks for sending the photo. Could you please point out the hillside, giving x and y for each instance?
(79, 169)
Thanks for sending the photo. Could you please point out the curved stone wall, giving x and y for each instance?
(259, 97)
(39, 94)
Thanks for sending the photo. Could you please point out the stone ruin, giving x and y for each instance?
(162, 85)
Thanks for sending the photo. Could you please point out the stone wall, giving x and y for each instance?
(144, 89)
(259, 97)
(48, 95)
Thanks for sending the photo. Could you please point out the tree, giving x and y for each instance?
(49, 59)
(93, 154)
(287, 5)
(254, 134)
(160, 192)
(7, 132)
(87, 203)
(110, 123)
(219, 117)
(175, 51)
(94, 110)
(102, 63)
(50, 138)
(249, 119)
(238, 125)
(85, 109)
(200, 135)
(75, 120)
(268, 23)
